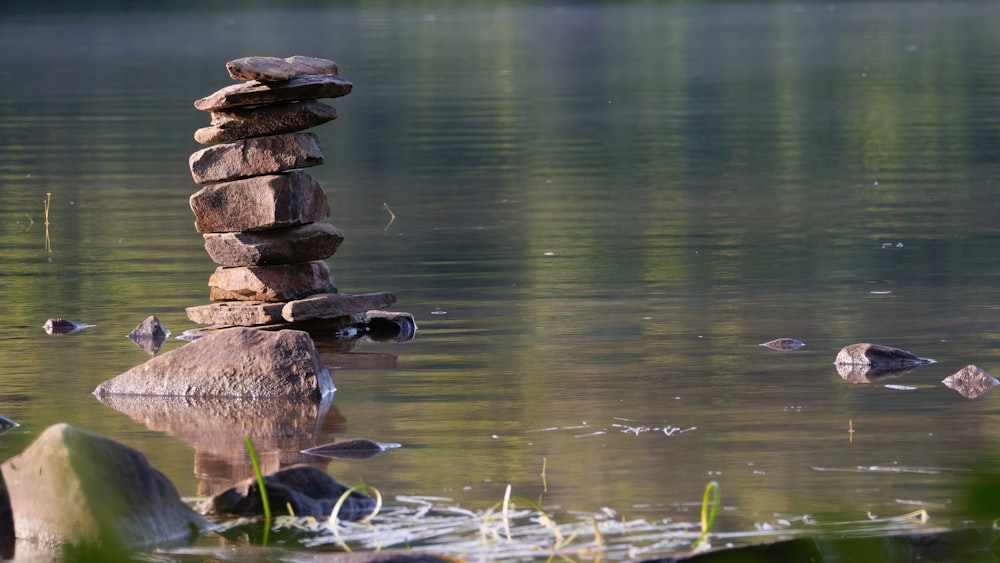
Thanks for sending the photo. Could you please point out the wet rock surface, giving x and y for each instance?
(63, 326)
(307, 490)
(237, 362)
(74, 487)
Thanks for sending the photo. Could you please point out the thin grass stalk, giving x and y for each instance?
(261, 486)
(707, 518)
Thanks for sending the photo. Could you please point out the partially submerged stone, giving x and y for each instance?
(63, 326)
(264, 202)
(315, 241)
(274, 69)
(257, 156)
(237, 362)
(149, 335)
(390, 325)
(236, 124)
(878, 356)
(783, 344)
(335, 305)
(74, 487)
(970, 381)
(256, 93)
(306, 490)
(356, 448)
(280, 282)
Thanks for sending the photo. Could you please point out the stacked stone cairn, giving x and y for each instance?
(259, 211)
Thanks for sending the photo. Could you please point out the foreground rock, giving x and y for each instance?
(264, 202)
(257, 156)
(74, 487)
(274, 69)
(879, 357)
(280, 282)
(256, 93)
(238, 362)
(315, 241)
(306, 490)
(970, 382)
(278, 119)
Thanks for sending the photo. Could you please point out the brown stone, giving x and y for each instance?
(264, 202)
(257, 156)
(274, 69)
(256, 93)
(315, 241)
(236, 313)
(970, 381)
(878, 356)
(238, 124)
(281, 282)
(77, 488)
(335, 305)
(236, 362)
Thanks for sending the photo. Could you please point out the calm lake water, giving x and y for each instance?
(601, 211)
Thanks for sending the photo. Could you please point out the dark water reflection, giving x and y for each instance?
(601, 212)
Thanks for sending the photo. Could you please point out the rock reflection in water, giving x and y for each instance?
(867, 374)
(215, 429)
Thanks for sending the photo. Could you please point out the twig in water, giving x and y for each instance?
(545, 487)
(392, 218)
(48, 241)
(506, 512)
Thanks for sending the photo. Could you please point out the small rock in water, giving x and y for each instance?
(149, 335)
(63, 326)
(7, 424)
(784, 344)
(878, 356)
(307, 490)
(970, 381)
(357, 448)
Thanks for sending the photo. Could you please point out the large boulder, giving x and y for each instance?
(280, 282)
(307, 490)
(274, 69)
(264, 202)
(277, 119)
(237, 362)
(257, 93)
(77, 488)
(315, 241)
(257, 156)
(878, 357)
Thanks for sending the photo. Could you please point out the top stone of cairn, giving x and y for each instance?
(274, 69)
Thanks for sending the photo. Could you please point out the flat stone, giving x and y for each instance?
(77, 488)
(878, 356)
(256, 93)
(257, 156)
(236, 362)
(236, 313)
(970, 381)
(335, 305)
(274, 69)
(264, 202)
(307, 490)
(315, 241)
(281, 282)
(236, 124)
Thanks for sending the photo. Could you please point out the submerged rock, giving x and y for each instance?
(264, 202)
(74, 487)
(857, 373)
(970, 382)
(149, 335)
(63, 326)
(274, 69)
(280, 282)
(237, 362)
(879, 357)
(257, 93)
(236, 124)
(307, 490)
(783, 344)
(315, 241)
(357, 448)
(257, 156)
